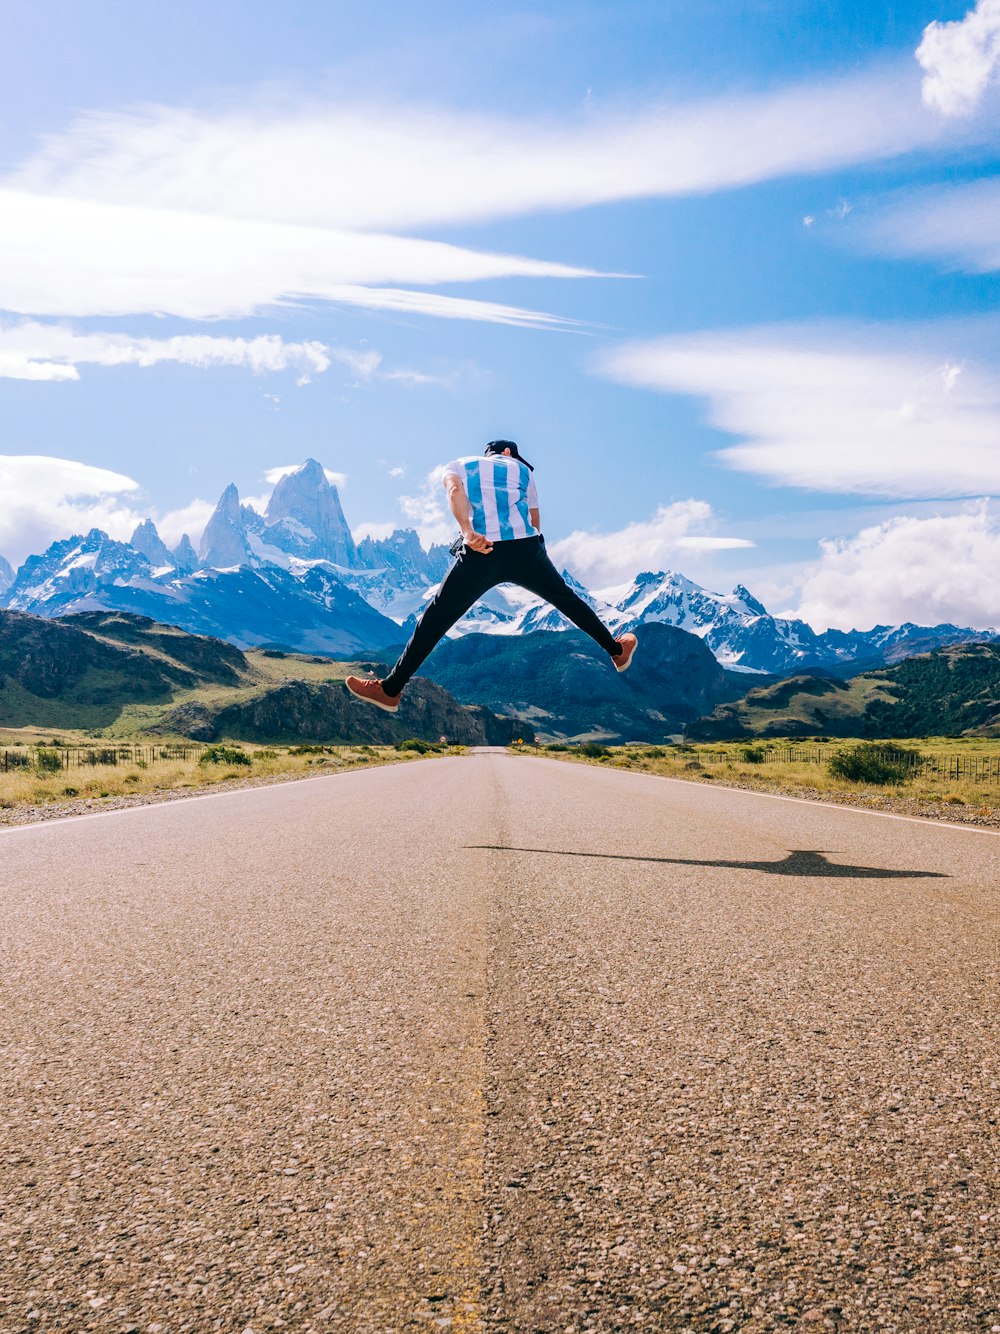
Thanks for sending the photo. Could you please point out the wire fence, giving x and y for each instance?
(50, 759)
(953, 767)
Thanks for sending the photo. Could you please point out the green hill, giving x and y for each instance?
(563, 684)
(954, 691)
(128, 676)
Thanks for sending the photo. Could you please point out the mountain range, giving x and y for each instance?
(954, 691)
(127, 676)
(295, 578)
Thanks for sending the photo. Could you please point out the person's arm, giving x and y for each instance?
(462, 511)
(534, 517)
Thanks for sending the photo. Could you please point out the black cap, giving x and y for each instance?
(500, 446)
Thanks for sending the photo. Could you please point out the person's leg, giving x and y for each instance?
(465, 583)
(538, 575)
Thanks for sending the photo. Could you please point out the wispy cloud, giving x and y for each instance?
(77, 257)
(958, 225)
(890, 411)
(960, 59)
(427, 510)
(931, 569)
(399, 167)
(600, 559)
(33, 351)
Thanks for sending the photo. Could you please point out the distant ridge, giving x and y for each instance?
(295, 575)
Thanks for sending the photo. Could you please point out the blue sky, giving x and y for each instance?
(727, 272)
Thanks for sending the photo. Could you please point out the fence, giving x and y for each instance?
(78, 757)
(975, 768)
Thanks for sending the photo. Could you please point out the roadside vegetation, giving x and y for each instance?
(44, 768)
(940, 777)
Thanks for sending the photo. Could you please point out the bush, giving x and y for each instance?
(266, 755)
(593, 751)
(753, 755)
(17, 759)
(557, 745)
(308, 750)
(224, 755)
(654, 753)
(106, 755)
(48, 762)
(421, 747)
(875, 764)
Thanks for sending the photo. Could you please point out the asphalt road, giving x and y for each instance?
(498, 1043)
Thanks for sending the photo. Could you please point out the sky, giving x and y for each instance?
(727, 272)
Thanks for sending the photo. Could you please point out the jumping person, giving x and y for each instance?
(494, 500)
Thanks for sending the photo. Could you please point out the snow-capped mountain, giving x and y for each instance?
(295, 576)
(311, 609)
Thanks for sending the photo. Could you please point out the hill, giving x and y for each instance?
(954, 691)
(127, 675)
(564, 686)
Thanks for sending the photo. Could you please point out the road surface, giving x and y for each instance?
(498, 1043)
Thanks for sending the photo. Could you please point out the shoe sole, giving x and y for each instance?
(386, 708)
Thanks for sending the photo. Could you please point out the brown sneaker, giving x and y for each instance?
(629, 644)
(371, 692)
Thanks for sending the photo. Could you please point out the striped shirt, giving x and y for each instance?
(501, 491)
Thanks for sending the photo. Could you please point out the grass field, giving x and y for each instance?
(29, 786)
(722, 763)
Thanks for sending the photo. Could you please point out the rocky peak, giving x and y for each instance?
(6, 575)
(184, 555)
(147, 540)
(308, 509)
(224, 542)
(742, 594)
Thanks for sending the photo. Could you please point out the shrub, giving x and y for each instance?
(224, 755)
(654, 753)
(414, 743)
(266, 755)
(875, 764)
(106, 755)
(305, 750)
(593, 751)
(753, 755)
(17, 759)
(48, 761)
(557, 745)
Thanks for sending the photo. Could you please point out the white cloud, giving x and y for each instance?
(600, 559)
(398, 471)
(956, 225)
(190, 519)
(960, 59)
(374, 530)
(48, 498)
(890, 411)
(926, 570)
(397, 167)
(78, 257)
(427, 510)
(33, 351)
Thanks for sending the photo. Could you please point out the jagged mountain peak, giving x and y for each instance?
(147, 540)
(304, 517)
(6, 575)
(224, 541)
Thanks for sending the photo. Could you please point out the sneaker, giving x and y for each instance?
(629, 644)
(371, 692)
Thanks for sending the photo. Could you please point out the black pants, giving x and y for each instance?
(523, 561)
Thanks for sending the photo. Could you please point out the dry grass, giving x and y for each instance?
(29, 787)
(926, 794)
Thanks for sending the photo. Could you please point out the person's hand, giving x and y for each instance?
(477, 542)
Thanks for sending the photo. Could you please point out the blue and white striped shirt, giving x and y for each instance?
(501, 491)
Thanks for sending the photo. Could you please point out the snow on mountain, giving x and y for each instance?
(310, 610)
(6, 575)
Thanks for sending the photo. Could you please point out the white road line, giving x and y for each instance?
(924, 820)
